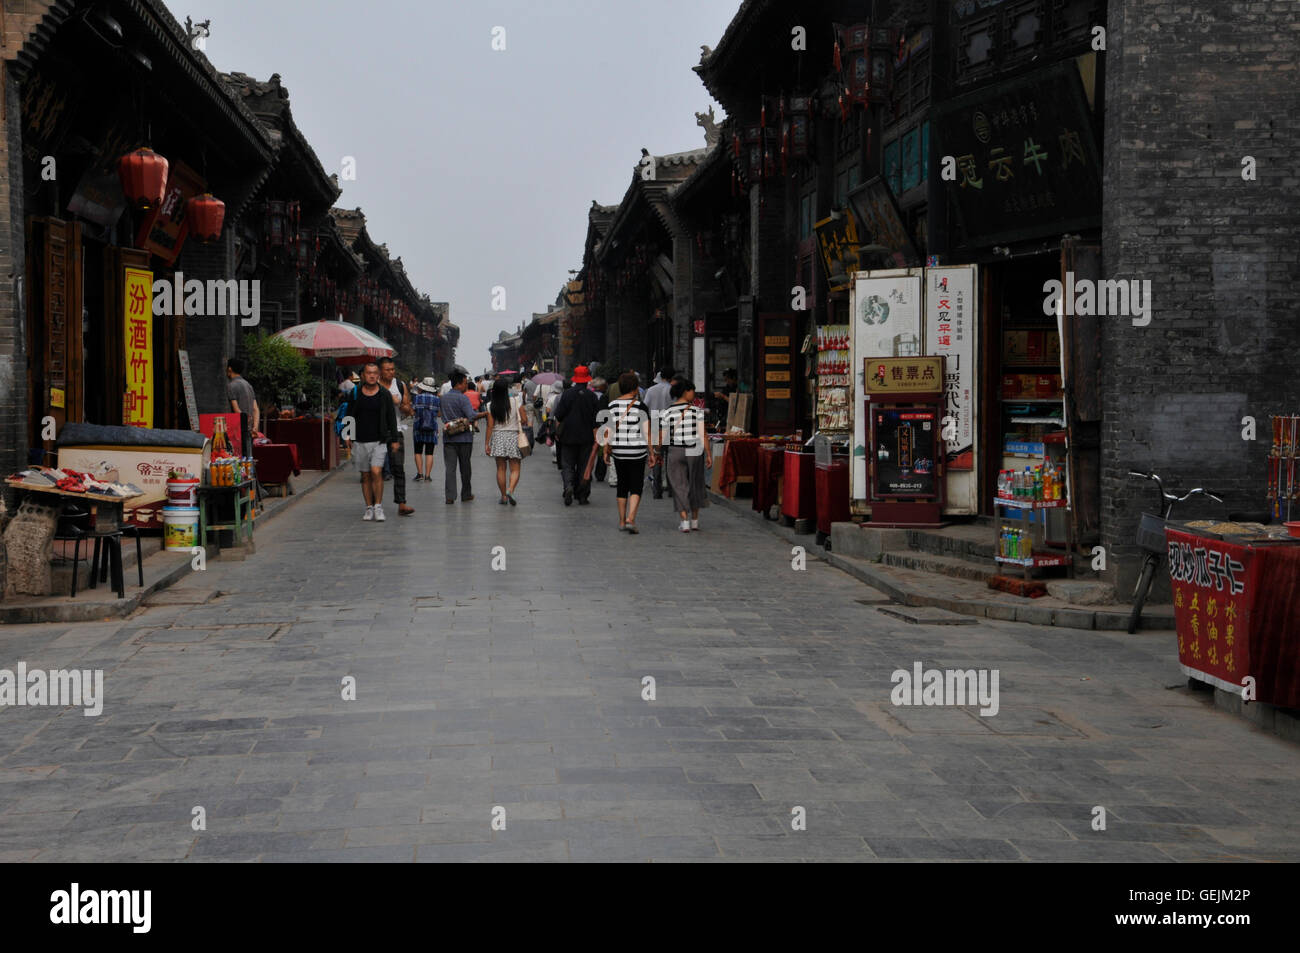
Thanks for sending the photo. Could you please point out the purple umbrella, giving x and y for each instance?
(547, 378)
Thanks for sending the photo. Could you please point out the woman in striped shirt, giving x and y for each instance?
(681, 429)
(626, 437)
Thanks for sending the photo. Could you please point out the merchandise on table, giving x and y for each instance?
(73, 481)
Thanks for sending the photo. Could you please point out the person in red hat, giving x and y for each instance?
(575, 415)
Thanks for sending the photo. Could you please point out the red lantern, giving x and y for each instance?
(144, 178)
(206, 216)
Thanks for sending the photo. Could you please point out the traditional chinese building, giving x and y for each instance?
(85, 84)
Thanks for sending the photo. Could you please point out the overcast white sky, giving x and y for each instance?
(477, 167)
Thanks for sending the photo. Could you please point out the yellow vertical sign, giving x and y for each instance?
(137, 309)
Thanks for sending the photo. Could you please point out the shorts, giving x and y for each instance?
(631, 476)
(369, 455)
(425, 448)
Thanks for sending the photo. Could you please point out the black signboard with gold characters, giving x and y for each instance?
(1018, 160)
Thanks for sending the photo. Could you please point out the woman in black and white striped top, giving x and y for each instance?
(626, 437)
(681, 430)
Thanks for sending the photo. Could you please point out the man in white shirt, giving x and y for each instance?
(657, 398)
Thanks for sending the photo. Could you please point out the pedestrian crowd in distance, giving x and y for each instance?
(616, 431)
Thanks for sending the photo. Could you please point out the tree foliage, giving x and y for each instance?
(278, 373)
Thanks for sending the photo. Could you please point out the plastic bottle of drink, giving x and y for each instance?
(1027, 550)
(1038, 484)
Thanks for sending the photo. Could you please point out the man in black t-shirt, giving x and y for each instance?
(374, 433)
(576, 411)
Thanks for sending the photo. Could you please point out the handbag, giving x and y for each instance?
(525, 448)
(460, 425)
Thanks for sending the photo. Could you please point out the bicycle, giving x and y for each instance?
(1151, 537)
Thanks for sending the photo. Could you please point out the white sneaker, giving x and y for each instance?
(370, 514)
(695, 524)
(686, 526)
(379, 513)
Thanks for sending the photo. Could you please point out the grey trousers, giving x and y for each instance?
(686, 478)
(453, 454)
(397, 466)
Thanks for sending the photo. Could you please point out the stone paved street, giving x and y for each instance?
(522, 690)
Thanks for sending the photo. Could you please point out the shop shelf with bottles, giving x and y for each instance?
(1039, 490)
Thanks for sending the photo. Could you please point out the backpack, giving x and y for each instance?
(341, 414)
(426, 416)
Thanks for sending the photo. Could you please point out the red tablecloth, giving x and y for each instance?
(798, 486)
(305, 433)
(739, 459)
(767, 478)
(1275, 636)
(275, 461)
(1237, 612)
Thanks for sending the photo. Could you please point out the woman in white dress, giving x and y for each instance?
(507, 416)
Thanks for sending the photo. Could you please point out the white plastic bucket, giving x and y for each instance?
(180, 528)
(183, 493)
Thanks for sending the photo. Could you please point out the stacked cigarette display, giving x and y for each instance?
(1282, 485)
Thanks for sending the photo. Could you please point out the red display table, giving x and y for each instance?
(767, 479)
(739, 463)
(798, 487)
(832, 482)
(1237, 612)
(308, 434)
(275, 462)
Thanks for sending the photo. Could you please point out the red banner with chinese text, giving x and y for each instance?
(137, 309)
(1214, 585)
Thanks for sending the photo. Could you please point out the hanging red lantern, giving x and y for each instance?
(144, 178)
(205, 215)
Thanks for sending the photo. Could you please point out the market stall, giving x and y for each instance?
(43, 496)
(1237, 606)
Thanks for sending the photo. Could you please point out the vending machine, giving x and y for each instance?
(904, 412)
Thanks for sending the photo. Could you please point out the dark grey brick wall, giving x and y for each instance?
(210, 339)
(1190, 90)
(13, 357)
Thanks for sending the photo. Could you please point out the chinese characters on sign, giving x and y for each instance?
(904, 375)
(838, 241)
(1213, 591)
(950, 331)
(165, 227)
(1024, 156)
(137, 403)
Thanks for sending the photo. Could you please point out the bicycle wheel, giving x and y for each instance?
(1143, 588)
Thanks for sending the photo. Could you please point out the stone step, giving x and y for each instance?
(944, 565)
(972, 542)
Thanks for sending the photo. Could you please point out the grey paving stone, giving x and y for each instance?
(524, 691)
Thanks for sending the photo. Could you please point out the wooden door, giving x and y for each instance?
(54, 327)
(1081, 360)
